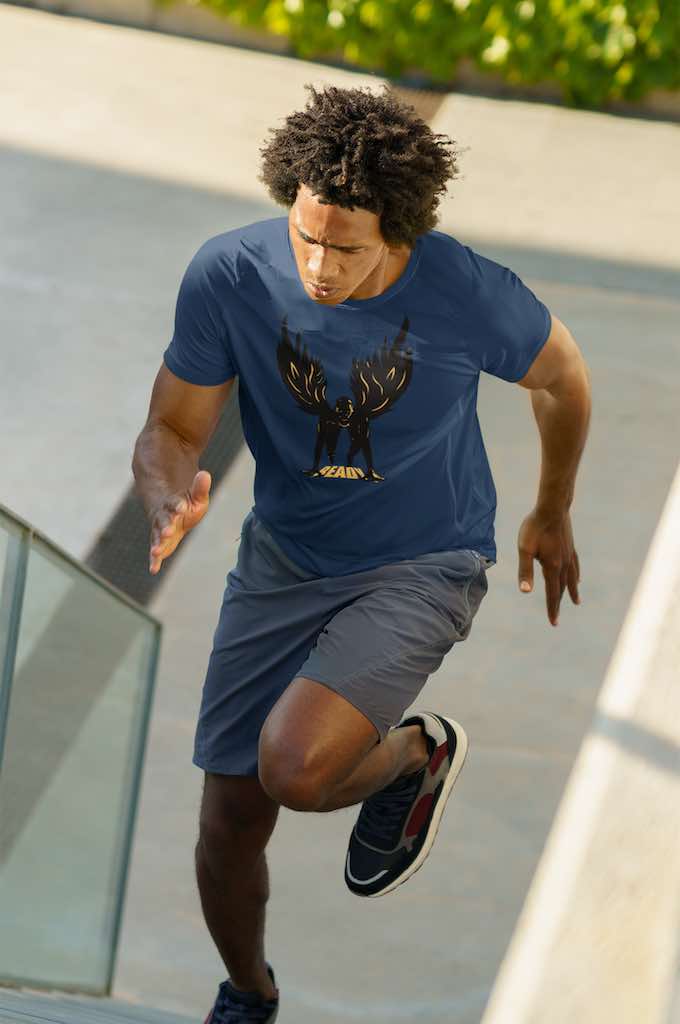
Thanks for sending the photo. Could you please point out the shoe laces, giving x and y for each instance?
(381, 818)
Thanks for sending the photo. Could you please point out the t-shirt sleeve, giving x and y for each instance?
(200, 349)
(514, 323)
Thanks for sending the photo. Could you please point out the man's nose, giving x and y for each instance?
(322, 263)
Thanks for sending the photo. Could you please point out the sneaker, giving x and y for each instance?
(235, 1007)
(396, 826)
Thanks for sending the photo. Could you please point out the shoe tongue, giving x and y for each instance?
(404, 782)
(404, 786)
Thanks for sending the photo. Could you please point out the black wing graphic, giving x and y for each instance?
(378, 382)
(302, 374)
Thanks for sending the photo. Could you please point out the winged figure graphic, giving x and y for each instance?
(376, 383)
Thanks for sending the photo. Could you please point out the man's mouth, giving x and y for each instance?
(321, 291)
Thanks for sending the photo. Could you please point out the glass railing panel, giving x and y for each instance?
(69, 776)
(13, 552)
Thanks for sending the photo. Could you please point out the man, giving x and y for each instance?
(358, 333)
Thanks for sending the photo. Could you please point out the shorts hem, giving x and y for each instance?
(231, 769)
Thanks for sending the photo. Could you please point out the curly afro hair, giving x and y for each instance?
(354, 148)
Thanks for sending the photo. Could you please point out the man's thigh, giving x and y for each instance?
(378, 651)
(369, 663)
(312, 736)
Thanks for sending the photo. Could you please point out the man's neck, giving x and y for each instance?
(378, 282)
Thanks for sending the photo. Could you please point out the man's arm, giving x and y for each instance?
(174, 492)
(559, 381)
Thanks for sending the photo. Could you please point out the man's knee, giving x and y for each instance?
(293, 776)
(311, 741)
(293, 788)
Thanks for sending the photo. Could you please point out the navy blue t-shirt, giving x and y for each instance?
(361, 417)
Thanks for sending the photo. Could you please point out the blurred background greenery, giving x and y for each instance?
(593, 51)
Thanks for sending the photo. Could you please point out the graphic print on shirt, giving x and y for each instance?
(376, 383)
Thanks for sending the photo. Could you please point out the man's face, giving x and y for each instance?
(341, 250)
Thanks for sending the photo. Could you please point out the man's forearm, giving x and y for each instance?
(563, 418)
(162, 464)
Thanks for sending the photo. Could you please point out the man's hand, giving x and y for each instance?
(550, 541)
(177, 514)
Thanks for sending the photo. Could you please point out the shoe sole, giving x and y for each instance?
(453, 773)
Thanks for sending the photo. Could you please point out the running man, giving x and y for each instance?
(357, 332)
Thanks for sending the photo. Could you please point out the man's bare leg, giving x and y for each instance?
(319, 752)
(237, 820)
(238, 816)
(402, 751)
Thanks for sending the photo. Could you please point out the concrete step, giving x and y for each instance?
(24, 1006)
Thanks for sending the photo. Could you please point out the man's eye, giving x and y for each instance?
(346, 252)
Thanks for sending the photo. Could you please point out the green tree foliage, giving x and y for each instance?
(595, 50)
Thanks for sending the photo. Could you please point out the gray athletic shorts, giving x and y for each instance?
(373, 637)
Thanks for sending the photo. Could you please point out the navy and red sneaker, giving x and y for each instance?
(397, 825)
(235, 1007)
